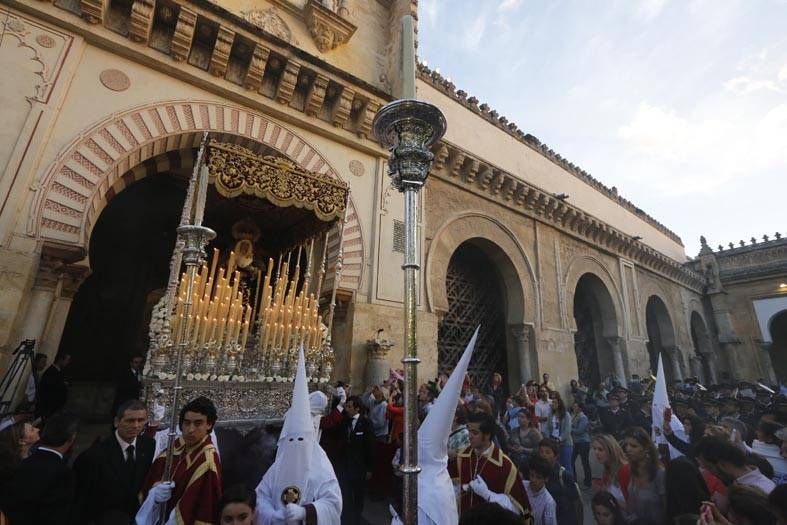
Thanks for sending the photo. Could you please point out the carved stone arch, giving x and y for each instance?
(104, 159)
(500, 245)
(587, 264)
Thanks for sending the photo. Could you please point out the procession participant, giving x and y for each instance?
(436, 496)
(485, 473)
(300, 486)
(192, 497)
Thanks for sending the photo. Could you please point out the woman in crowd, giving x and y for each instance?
(15, 444)
(694, 427)
(238, 505)
(617, 472)
(686, 490)
(561, 432)
(646, 490)
(497, 393)
(580, 434)
(606, 509)
(524, 440)
(459, 438)
(747, 506)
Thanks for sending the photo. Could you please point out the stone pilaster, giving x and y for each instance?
(673, 353)
(766, 364)
(521, 336)
(615, 343)
(377, 367)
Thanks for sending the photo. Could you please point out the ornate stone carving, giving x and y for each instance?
(15, 27)
(45, 41)
(114, 79)
(141, 21)
(377, 367)
(236, 170)
(316, 95)
(257, 67)
(343, 107)
(356, 168)
(289, 78)
(371, 109)
(221, 52)
(270, 22)
(94, 10)
(184, 34)
(328, 28)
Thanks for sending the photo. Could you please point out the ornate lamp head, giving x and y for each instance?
(194, 240)
(407, 128)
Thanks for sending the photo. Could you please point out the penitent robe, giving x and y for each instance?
(499, 473)
(197, 477)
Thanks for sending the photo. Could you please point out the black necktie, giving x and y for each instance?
(130, 458)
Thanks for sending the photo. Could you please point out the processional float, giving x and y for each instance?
(210, 335)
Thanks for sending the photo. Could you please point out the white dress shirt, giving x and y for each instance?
(124, 446)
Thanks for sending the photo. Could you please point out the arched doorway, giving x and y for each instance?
(661, 338)
(130, 250)
(703, 350)
(475, 297)
(778, 350)
(596, 338)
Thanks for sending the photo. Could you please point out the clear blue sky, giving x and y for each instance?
(680, 104)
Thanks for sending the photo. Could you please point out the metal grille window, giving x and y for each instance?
(474, 298)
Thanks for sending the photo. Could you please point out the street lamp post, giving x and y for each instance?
(407, 127)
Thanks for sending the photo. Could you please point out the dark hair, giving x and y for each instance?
(461, 415)
(357, 403)
(129, 404)
(10, 451)
(751, 503)
(580, 404)
(38, 357)
(762, 464)
(539, 466)
(200, 405)
(715, 449)
(58, 429)
(697, 428)
(239, 493)
(561, 407)
(551, 444)
(486, 425)
(777, 500)
(62, 355)
(489, 514)
(608, 501)
(769, 428)
(651, 463)
(686, 488)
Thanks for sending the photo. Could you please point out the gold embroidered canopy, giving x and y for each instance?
(235, 170)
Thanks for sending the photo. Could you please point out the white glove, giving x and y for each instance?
(478, 485)
(294, 513)
(158, 412)
(163, 491)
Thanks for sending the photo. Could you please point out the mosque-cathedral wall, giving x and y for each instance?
(76, 82)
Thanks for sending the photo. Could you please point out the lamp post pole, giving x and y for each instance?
(407, 127)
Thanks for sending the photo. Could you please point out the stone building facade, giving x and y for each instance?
(103, 96)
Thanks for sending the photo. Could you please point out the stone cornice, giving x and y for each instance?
(446, 87)
(269, 66)
(463, 169)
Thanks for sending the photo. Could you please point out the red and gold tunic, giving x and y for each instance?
(197, 477)
(498, 472)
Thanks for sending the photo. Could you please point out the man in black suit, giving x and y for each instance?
(41, 491)
(129, 383)
(358, 459)
(111, 472)
(53, 388)
(615, 419)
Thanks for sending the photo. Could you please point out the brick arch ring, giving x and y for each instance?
(106, 158)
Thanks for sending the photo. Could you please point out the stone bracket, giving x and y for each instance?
(329, 30)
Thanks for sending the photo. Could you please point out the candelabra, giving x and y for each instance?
(408, 127)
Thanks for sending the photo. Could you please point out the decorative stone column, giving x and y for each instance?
(521, 335)
(766, 364)
(674, 356)
(377, 365)
(617, 357)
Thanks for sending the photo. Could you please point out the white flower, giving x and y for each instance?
(240, 378)
(269, 379)
(190, 376)
(213, 377)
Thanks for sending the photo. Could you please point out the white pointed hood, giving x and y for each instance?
(296, 441)
(435, 491)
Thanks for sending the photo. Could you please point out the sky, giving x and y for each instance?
(680, 104)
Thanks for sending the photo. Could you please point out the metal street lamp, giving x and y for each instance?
(407, 127)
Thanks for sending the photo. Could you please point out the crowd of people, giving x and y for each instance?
(534, 455)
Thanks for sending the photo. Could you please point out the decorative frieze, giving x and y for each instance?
(94, 10)
(184, 34)
(221, 52)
